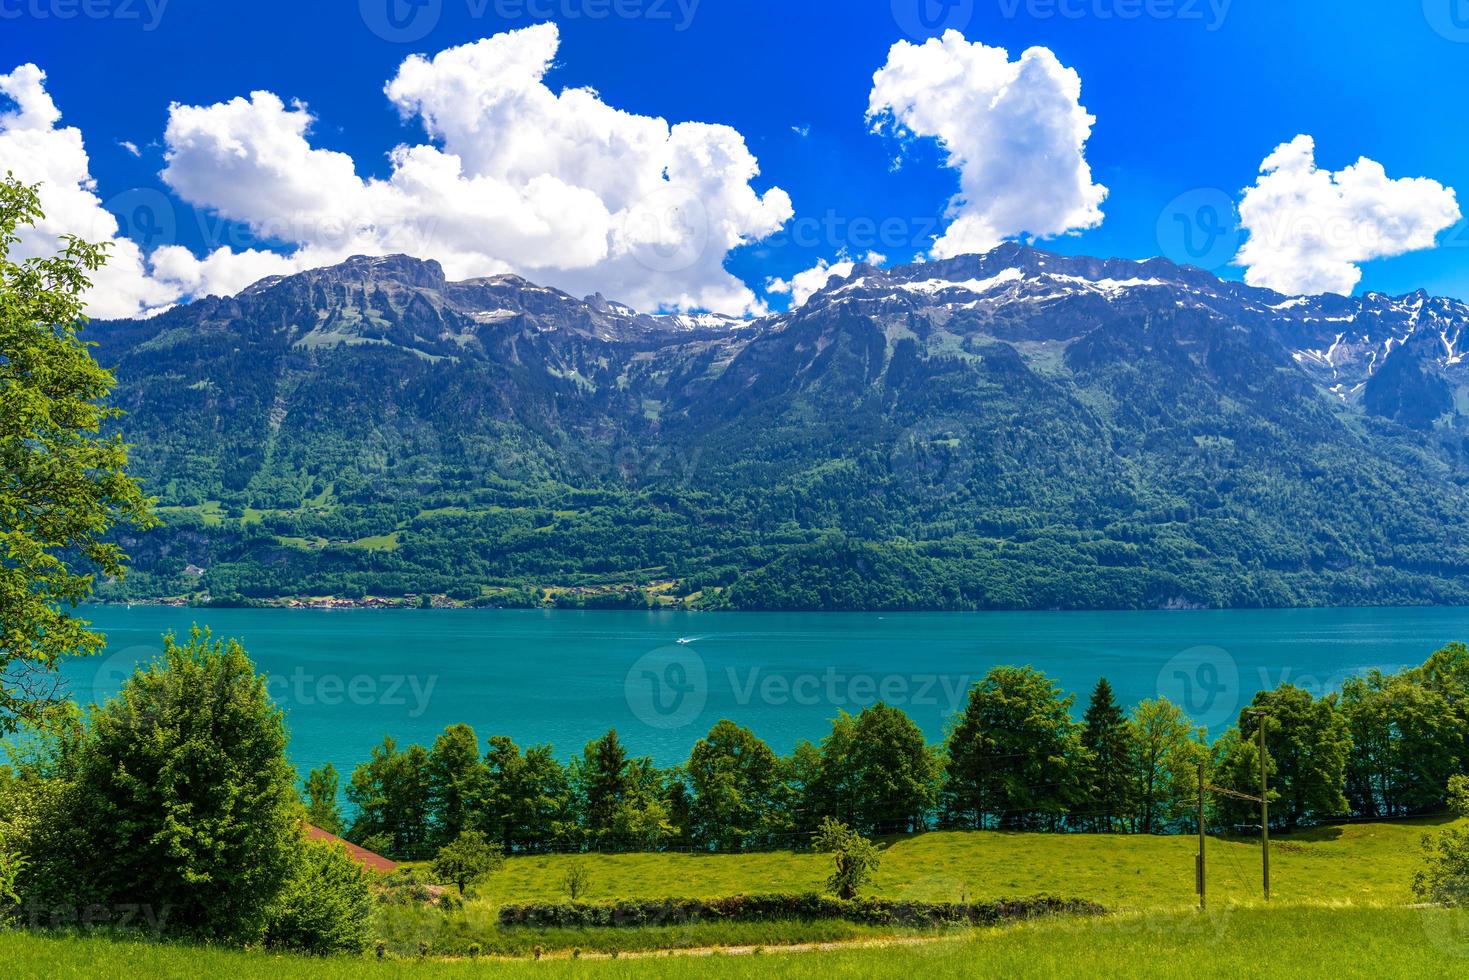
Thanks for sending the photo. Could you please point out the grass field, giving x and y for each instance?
(1358, 863)
(1294, 941)
(1340, 907)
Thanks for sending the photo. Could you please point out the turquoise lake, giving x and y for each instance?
(347, 678)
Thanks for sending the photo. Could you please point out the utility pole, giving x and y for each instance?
(1264, 801)
(1200, 869)
(1264, 807)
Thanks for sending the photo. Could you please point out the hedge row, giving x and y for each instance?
(628, 914)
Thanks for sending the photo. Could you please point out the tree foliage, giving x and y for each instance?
(63, 485)
(854, 857)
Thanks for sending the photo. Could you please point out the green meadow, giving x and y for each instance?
(1285, 942)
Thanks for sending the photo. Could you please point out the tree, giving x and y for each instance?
(468, 858)
(63, 486)
(456, 781)
(527, 803)
(878, 772)
(641, 821)
(604, 784)
(185, 801)
(1406, 743)
(855, 857)
(1109, 758)
(577, 880)
(393, 795)
(323, 785)
(736, 786)
(1014, 754)
(326, 905)
(1165, 754)
(1444, 877)
(1307, 743)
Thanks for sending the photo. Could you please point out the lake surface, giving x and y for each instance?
(347, 678)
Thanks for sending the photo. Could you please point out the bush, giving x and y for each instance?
(633, 914)
(326, 905)
(184, 803)
(1445, 875)
(855, 857)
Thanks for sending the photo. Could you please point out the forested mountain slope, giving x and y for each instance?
(1012, 430)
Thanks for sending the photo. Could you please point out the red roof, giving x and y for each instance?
(361, 855)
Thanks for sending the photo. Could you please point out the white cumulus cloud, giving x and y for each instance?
(39, 151)
(1309, 229)
(1014, 130)
(803, 285)
(557, 186)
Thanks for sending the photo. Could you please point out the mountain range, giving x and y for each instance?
(1017, 429)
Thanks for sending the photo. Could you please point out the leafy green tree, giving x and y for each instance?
(322, 788)
(12, 863)
(528, 803)
(1446, 673)
(467, 859)
(1444, 877)
(604, 783)
(457, 781)
(878, 772)
(1109, 784)
(736, 786)
(393, 794)
(577, 880)
(1406, 740)
(63, 486)
(185, 801)
(641, 821)
(856, 858)
(804, 788)
(1166, 751)
(1014, 754)
(1307, 742)
(326, 905)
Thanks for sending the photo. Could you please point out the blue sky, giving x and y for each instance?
(1188, 99)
